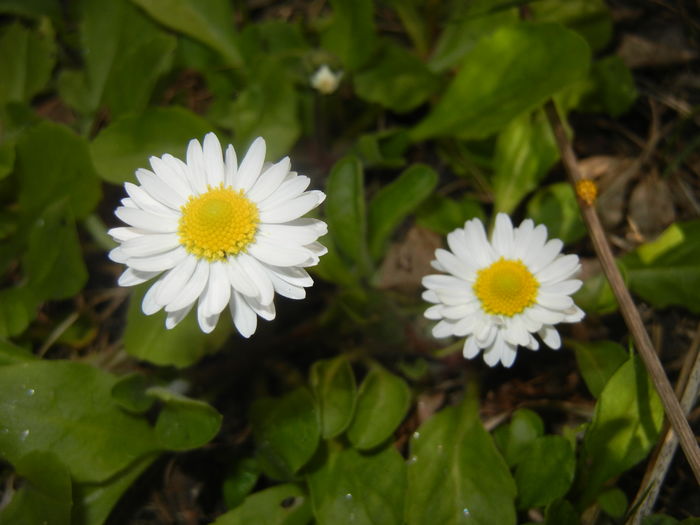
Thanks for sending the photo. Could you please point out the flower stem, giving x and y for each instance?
(629, 311)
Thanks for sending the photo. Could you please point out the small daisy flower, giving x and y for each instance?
(325, 81)
(218, 233)
(500, 293)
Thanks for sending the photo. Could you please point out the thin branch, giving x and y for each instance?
(629, 311)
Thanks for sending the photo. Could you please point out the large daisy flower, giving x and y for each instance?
(218, 233)
(500, 293)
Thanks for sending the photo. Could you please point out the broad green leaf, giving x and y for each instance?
(467, 23)
(455, 472)
(127, 143)
(278, 505)
(555, 206)
(333, 384)
(11, 354)
(184, 423)
(383, 148)
(125, 54)
(659, 519)
(7, 158)
(561, 512)
(345, 208)
(92, 502)
(53, 262)
(209, 21)
(146, 337)
(394, 202)
(17, 309)
(268, 107)
(54, 164)
(625, 426)
(613, 502)
(398, 80)
(240, 479)
(26, 60)
(545, 472)
(286, 432)
(45, 497)
(443, 214)
(610, 87)
(590, 18)
(506, 74)
(129, 392)
(355, 488)
(597, 362)
(66, 408)
(525, 151)
(595, 296)
(351, 35)
(333, 268)
(35, 8)
(514, 439)
(382, 403)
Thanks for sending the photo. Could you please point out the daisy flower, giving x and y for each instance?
(499, 293)
(218, 233)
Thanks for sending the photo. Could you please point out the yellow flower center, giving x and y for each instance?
(218, 223)
(506, 287)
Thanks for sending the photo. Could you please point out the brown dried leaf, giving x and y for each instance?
(408, 261)
(651, 207)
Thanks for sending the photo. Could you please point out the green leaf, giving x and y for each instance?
(11, 354)
(147, 338)
(595, 296)
(35, 8)
(333, 384)
(278, 505)
(7, 158)
(54, 164)
(345, 208)
(240, 479)
(66, 408)
(394, 202)
(506, 74)
(184, 423)
(45, 497)
(382, 404)
(456, 473)
(610, 88)
(17, 309)
(286, 432)
(92, 502)
(333, 268)
(398, 80)
(125, 55)
(443, 214)
(514, 439)
(209, 21)
(351, 34)
(26, 60)
(590, 18)
(467, 23)
(613, 502)
(525, 151)
(659, 519)
(555, 206)
(127, 143)
(53, 262)
(561, 512)
(359, 489)
(268, 107)
(545, 472)
(129, 392)
(625, 426)
(383, 148)
(597, 362)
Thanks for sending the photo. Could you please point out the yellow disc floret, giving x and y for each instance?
(218, 223)
(506, 287)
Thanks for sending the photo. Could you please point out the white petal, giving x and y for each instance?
(516, 333)
(207, 323)
(454, 296)
(285, 289)
(291, 274)
(258, 276)
(292, 187)
(550, 337)
(508, 355)
(171, 174)
(292, 209)
(192, 289)
(457, 242)
(117, 255)
(195, 167)
(555, 301)
(443, 329)
(160, 190)
(151, 244)
(132, 277)
(544, 315)
(269, 180)
(174, 318)
(492, 355)
(271, 253)
(434, 312)
(563, 287)
(252, 163)
(502, 241)
(430, 296)
(436, 281)
(149, 304)
(218, 291)
(213, 160)
(522, 238)
(147, 221)
(179, 169)
(230, 166)
(477, 244)
(141, 199)
(287, 234)
(562, 268)
(244, 317)
(574, 315)
(174, 281)
(470, 349)
(266, 311)
(540, 258)
(160, 262)
(454, 265)
(124, 233)
(465, 326)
